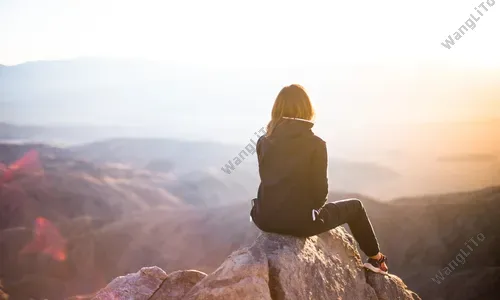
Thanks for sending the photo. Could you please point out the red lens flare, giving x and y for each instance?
(47, 240)
(29, 162)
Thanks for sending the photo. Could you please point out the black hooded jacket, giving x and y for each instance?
(293, 172)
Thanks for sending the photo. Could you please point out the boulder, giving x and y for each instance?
(138, 286)
(177, 284)
(389, 287)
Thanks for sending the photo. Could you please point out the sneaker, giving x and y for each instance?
(376, 265)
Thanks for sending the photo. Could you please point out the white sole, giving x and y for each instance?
(373, 269)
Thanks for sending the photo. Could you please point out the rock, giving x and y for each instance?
(177, 284)
(278, 267)
(137, 286)
(244, 275)
(3, 295)
(389, 287)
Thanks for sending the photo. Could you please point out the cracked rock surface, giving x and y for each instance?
(277, 267)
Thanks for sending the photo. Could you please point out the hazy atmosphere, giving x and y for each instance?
(117, 118)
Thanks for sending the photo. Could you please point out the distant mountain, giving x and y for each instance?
(63, 187)
(359, 176)
(403, 177)
(156, 96)
(425, 235)
(13, 132)
(184, 155)
(91, 205)
(67, 135)
(200, 163)
(470, 157)
(428, 159)
(174, 239)
(420, 236)
(201, 102)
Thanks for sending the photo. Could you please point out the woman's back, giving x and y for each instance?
(292, 166)
(294, 183)
(291, 172)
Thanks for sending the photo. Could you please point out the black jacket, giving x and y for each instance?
(293, 172)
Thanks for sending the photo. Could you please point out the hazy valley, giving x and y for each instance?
(84, 200)
(117, 217)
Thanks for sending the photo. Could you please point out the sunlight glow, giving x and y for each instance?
(223, 32)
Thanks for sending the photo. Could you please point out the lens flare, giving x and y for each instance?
(28, 163)
(47, 240)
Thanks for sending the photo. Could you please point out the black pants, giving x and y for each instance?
(352, 212)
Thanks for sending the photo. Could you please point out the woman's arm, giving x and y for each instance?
(319, 176)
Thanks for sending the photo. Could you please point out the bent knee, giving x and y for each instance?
(357, 204)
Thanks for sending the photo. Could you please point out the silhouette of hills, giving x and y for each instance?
(116, 219)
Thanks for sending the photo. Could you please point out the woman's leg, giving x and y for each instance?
(352, 212)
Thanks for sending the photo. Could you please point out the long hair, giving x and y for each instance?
(292, 102)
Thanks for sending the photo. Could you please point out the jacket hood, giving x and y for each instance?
(288, 146)
(292, 127)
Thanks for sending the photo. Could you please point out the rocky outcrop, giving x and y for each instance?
(140, 285)
(275, 267)
(3, 295)
(177, 285)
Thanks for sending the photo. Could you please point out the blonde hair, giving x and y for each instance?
(292, 102)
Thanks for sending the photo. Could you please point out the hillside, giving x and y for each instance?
(384, 162)
(423, 235)
(104, 215)
(200, 164)
(112, 219)
(97, 252)
(62, 187)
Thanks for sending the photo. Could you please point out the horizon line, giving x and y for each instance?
(424, 63)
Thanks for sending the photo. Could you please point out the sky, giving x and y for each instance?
(242, 33)
(285, 34)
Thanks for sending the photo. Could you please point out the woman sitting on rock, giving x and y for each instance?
(294, 185)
